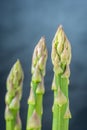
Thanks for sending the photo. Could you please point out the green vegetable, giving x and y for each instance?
(61, 57)
(35, 101)
(13, 97)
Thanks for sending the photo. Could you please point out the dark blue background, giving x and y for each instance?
(22, 23)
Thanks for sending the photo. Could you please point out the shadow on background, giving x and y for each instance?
(22, 23)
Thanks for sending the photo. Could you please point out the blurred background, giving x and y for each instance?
(22, 23)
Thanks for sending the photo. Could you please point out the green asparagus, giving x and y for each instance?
(61, 57)
(13, 97)
(35, 100)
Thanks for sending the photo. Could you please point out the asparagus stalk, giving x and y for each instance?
(13, 97)
(61, 57)
(35, 100)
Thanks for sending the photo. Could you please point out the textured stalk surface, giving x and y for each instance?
(13, 97)
(35, 100)
(61, 57)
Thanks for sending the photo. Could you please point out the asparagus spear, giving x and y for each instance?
(13, 97)
(35, 100)
(61, 57)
